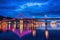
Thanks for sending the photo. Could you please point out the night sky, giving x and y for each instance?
(29, 8)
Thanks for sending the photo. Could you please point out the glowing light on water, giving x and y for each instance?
(46, 34)
(21, 26)
(0, 25)
(4, 25)
(34, 32)
(9, 25)
(14, 26)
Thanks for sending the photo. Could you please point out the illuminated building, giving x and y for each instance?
(33, 27)
(34, 32)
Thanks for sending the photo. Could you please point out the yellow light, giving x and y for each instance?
(21, 26)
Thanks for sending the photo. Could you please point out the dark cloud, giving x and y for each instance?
(7, 8)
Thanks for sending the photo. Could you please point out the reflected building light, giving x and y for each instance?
(29, 26)
(9, 25)
(34, 32)
(53, 24)
(46, 34)
(18, 25)
(0, 25)
(24, 26)
(4, 25)
(32, 25)
(14, 26)
(21, 26)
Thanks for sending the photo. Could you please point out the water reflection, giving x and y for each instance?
(30, 24)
